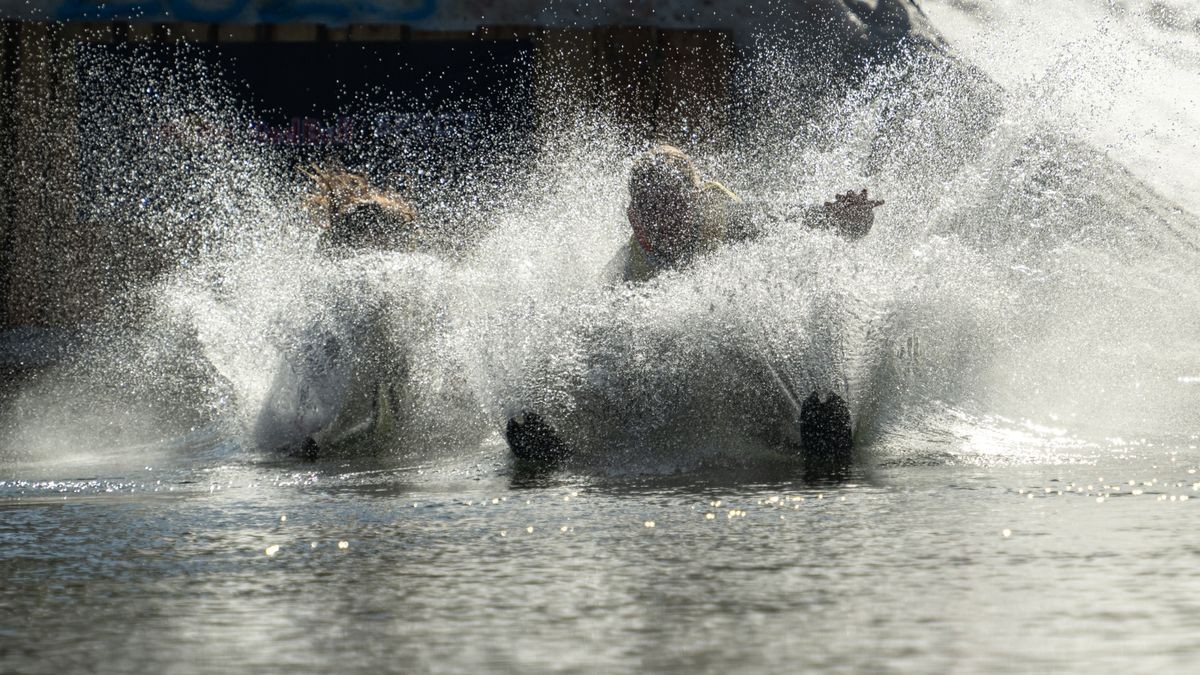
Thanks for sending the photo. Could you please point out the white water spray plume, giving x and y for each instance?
(1026, 286)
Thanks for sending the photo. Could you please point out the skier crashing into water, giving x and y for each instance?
(316, 400)
(677, 217)
(353, 214)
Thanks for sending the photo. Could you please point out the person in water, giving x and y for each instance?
(355, 215)
(676, 216)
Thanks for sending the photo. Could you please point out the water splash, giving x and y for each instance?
(1015, 273)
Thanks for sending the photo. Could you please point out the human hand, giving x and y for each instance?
(851, 213)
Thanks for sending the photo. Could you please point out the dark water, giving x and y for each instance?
(1013, 566)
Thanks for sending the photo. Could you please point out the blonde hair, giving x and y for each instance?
(667, 168)
(664, 169)
(717, 189)
(666, 187)
(336, 192)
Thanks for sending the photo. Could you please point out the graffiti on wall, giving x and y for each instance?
(250, 11)
(425, 14)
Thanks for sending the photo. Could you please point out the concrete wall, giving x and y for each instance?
(651, 80)
(8, 31)
(439, 15)
(846, 22)
(44, 249)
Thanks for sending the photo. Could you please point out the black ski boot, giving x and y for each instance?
(825, 434)
(534, 442)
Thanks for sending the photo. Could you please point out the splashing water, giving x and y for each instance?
(1022, 293)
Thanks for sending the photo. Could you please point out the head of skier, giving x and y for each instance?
(664, 196)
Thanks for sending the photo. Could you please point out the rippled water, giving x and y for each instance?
(918, 568)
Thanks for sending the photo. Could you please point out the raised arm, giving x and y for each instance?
(850, 214)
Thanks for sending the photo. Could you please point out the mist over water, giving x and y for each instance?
(1021, 282)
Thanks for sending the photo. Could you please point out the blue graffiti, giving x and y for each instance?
(180, 10)
(249, 11)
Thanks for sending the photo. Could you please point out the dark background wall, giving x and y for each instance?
(661, 69)
(320, 94)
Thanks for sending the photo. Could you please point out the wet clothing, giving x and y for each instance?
(724, 218)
